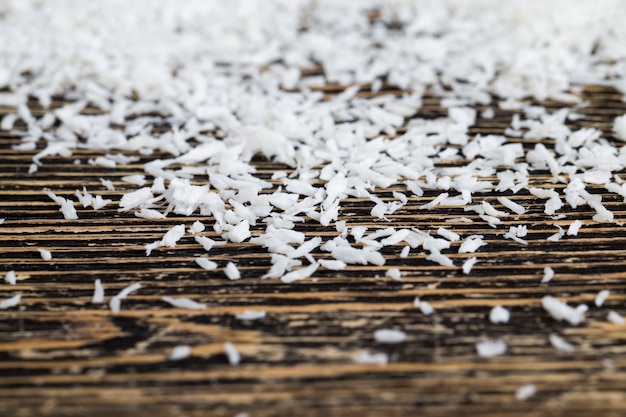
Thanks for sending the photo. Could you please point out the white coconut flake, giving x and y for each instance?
(512, 205)
(601, 297)
(173, 235)
(251, 315)
(469, 264)
(561, 311)
(525, 392)
(559, 344)
(46, 255)
(299, 274)
(333, 265)
(619, 128)
(447, 234)
(471, 244)
(115, 302)
(10, 302)
(67, 206)
(239, 233)
(491, 348)
(615, 318)
(232, 272)
(232, 354)
(548, 274)
(10, 277)
(394, 273)
(98, 292)
(366, 358)
(424, 306)
(196, 227)
(499, 314)
(181, 302)
(180, 352)
(206, 264)
(574, 227)
(389, 336)
(404, 253)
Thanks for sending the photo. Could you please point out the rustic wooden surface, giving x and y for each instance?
(61, 355)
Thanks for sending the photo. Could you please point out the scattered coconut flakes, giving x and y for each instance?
(469, 264)
(232, 272)
(233, 355)
(491, 348)
(424, 306)
(333, 265)
(499, 314)
(366, 358)
(561, 311)
(98, 292)
(10, 302)
(181, 302)
(601, 297)
(251, 315)
(615, 318)
(46, 255)
(394, 273)
(389, 336)
(548, 274)
(573, 228)
(525, 392)
(559, 344)
(206, 264)
(180, 352)
(10, 277)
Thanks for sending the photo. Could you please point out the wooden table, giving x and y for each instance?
(61, 355)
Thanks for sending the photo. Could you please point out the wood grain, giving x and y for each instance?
(61, 355)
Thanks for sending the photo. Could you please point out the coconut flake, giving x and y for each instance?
(46, 255)
(424, 306)
(10, 277)
(559, 344)
(389, 336)
(366, 358)
(181, 302)
(499, 314)
(491, 348)
(10, 302)
(601, 297)
(548, 274)
(469, 264)
(251, 315)
(232, 354)
(232, 272)
(180, 352)
(615, 318)
(98, 292)
(561, 311)
(206, 264)
(525, 392)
